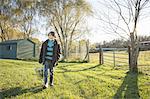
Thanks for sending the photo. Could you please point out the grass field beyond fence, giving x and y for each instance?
(20, 80)
(122, 58)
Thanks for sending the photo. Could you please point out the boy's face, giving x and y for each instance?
(50, 36)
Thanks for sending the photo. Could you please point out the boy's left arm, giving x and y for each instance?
(58, 54)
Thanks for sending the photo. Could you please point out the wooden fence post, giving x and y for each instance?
(129, 54)
(79, 51)
(87, 46)
(100, 56)
(114, 58)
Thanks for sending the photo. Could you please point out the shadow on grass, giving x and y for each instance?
(66, 70)
(129, 87)
(12, 92)
(39, 70)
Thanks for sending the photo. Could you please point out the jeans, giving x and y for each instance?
(48, 66)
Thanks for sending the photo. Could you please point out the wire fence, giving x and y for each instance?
(79, 51)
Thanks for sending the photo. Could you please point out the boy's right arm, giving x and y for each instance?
(41, 55)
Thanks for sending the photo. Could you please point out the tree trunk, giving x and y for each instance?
(2, 33)
(134, 53)
(65, 51)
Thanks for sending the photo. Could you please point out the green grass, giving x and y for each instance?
(20, 80)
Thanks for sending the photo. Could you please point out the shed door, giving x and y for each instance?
(9, 51)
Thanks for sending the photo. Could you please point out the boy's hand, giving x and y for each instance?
(40, 61)
(56, 63)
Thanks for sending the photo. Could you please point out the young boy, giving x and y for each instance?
(49, 55)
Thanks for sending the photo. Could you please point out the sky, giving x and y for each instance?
(97, 33)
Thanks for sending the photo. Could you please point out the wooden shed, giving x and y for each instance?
(17, 49)
(145, 45)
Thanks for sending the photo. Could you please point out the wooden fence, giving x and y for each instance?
(120, 56)
(115, 56)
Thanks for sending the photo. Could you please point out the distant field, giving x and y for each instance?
(144, 58)
(20, 80)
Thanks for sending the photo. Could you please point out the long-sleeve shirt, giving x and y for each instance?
(49, 53)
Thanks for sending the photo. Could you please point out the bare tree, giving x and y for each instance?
(122, 18)
(65, 16)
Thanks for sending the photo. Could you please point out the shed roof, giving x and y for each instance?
(15, 41)
(145, 42)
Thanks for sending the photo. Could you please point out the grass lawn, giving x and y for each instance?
(20, 80)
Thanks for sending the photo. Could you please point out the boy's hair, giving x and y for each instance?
(52, 33)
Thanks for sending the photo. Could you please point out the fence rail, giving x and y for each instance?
(120, 56)
(116, 56)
